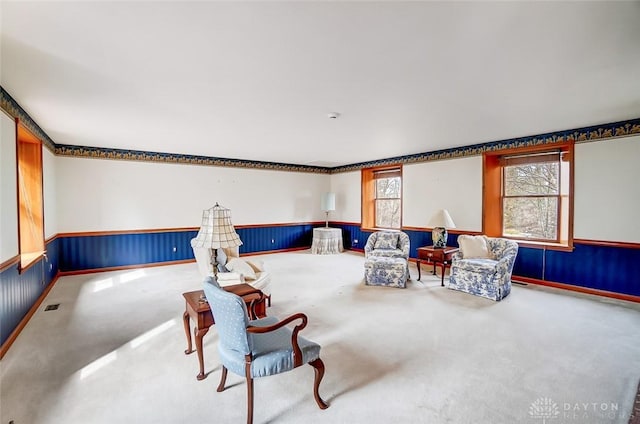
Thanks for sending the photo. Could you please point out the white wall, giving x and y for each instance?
(49, 193)
(346, 185)
(454, 185)
(607, 190)
(107, 195)
(8, 187)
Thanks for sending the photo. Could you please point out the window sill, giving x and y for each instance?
(27, 260)
(543, 245)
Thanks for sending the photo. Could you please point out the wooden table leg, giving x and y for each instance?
(442, 280)
(199, 335)
(418, 271)
(187, 331)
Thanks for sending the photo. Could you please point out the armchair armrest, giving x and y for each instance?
(503, 266)
(297, 352)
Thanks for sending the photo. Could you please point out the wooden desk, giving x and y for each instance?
(438, 256)
(198, 309)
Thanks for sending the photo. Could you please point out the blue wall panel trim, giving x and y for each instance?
(19, 292)
(115, 250)
(607, 268)
(529, 263)
(262, 239)
(82, 252)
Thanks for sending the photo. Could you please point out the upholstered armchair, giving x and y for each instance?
(483, 266)
(390, 244)
(386, 259)
(261, 347)
(232, 269)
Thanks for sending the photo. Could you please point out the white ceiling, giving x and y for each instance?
(256, 80)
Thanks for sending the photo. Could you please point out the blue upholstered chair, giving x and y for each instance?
(387, 259)
(261, 347)
(486, 271)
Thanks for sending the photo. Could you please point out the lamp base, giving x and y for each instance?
(439, 237)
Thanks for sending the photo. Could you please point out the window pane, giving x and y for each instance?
(388, 188)
(527, 217)
(388, 213)
(531, 179)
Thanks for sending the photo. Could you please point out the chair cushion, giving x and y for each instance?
(240, 266)
(474, 247)
(481, 265)
(387, 253)
(386, 240)
(273, 353)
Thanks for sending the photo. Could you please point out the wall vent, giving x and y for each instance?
(52, 307)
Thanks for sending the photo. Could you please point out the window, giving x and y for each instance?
(30, 204)
(382, 197)
(528, 195)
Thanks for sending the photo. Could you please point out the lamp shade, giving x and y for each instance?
(217, 230)
(441, 219)
(328, 202)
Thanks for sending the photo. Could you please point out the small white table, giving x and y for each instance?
(326, 241)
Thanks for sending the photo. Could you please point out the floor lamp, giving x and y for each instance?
(328, 204)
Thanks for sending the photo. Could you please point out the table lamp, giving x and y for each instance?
(440, 221)
(327, 204)
(216, 232)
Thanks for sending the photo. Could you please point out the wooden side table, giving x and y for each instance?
(438, 257)
(198, 309)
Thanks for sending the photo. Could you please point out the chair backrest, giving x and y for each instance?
(203, 257)
(388, 240)
(503, 248)
(231, 317)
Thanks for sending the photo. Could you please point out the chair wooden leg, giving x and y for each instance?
(318, 366)
(223, 379)
(249, 400)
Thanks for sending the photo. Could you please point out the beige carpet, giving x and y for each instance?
(113, 353)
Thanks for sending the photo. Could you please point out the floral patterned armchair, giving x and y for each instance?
(389, 244)
(483, 266)
(387, 259)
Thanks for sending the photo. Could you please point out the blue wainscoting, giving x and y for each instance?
(529, 263)
(84, 252)
(281, 237)
(19, 292)
(614, 269)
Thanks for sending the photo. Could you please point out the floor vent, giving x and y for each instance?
(52, 307)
